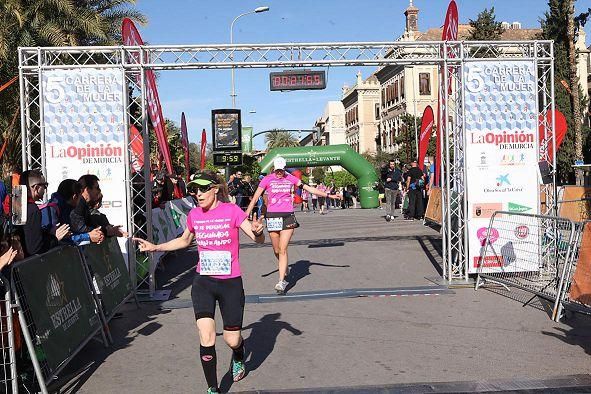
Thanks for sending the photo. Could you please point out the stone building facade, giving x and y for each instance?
(361, 103)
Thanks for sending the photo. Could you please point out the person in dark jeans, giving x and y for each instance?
(391, 176)
(415, 183)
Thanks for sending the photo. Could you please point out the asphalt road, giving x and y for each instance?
(361, 316)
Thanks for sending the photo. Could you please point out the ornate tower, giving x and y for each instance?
(412, 18)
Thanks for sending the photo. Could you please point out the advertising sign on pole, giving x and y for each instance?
(227, 126)
(131, 36)
(501, 147)
(84, 128)
(247, 139)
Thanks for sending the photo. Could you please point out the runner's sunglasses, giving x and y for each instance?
(202, 188)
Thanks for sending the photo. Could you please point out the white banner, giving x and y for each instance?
(84, 130)
(501, 153)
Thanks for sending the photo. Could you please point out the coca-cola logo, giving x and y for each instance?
(521, 231)
(493, 235)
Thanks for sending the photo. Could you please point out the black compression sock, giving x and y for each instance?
(239, 352)
(208, 362)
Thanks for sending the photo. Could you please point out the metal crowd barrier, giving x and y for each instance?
(8, 374)
(528, 252)
(64, 298)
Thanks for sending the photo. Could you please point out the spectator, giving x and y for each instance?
(100, 220)
(247, 189)
(235, 188)
(35, 239)
(391, 176)
(10, 250)
(66, 199)
(415, 183)
(81, 217)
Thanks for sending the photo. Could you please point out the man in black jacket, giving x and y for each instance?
(415, 183)
(80, 218)
(35, 239)
(391, 176)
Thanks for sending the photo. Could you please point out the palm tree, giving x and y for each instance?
(279, 138)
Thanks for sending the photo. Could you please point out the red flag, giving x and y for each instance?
(560, 128)
(131, 37)
(185, 142)
(425, 136)
(203, 146)
(137, 149)
(450, 33)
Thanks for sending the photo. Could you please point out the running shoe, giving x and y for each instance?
(388, 218)
(238, 370)
(281, 286)
(213, 390)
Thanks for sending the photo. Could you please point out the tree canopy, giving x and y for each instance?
(485, 27)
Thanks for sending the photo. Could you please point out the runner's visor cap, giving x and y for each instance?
(202, 179)
(279, 163)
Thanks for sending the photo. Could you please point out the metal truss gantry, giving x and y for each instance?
(449, 56)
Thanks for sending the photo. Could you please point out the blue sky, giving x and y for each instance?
(208, 22)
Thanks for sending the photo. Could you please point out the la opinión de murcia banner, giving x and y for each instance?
(501, 154)
(83, 125)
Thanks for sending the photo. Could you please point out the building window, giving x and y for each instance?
(424, 84)
(402, 87)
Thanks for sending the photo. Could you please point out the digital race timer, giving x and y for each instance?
(297, 80)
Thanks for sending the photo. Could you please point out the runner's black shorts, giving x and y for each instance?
(229, 294)
(289, 219)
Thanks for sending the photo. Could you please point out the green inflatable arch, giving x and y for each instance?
(331, 155)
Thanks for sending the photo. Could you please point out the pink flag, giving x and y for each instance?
(560, 128)
(203, 146)
(131, 37)
(185, 142)
(425, 136)
(450, 33)
(137, 149)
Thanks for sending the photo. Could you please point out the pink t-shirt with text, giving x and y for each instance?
(217, 230)
(279, 192)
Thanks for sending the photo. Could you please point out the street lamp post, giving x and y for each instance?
(255, 11)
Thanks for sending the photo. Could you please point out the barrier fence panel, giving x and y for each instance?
(8, 375)
(576, 277)
(525, 251)
(110, 273)
(56, 309)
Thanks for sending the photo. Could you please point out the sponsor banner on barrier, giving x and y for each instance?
(84, 129)
(501, 136)
(170, 222)
(59, 301)
(111, 275)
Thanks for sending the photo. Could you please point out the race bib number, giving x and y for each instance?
(215, 262)
(274, 224)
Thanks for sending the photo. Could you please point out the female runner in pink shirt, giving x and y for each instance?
(214, 224)
(281, 220)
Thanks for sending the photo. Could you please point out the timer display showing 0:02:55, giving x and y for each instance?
(303, 80)
(297, 80)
